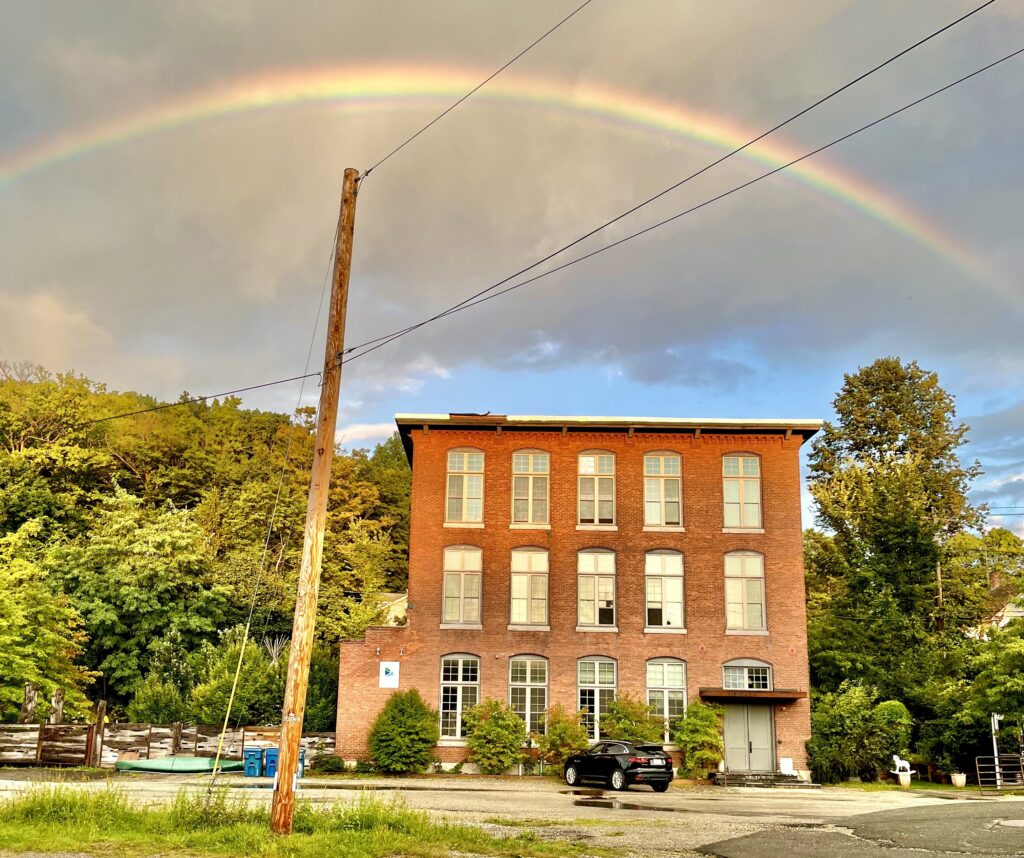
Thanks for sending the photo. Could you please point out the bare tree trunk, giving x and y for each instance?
(57, 706)
(28, 706)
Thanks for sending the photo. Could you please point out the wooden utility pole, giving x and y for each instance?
(297, 680)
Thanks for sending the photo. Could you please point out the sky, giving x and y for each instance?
(170, 176)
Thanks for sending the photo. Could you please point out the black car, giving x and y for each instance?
(619, 764)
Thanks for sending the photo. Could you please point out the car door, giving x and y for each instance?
(610, 758)
(591, 762)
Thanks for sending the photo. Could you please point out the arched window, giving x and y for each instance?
(460, 690)
(529, 603)
(597, 682)
(462, 570)
(747, 674)
(663, 573)
(741, 490)
(465, 487)
(596, 487)
(595, 589)
(663, 494)
(666, 691)
(528, 689)
(744, 592)
(530, 474)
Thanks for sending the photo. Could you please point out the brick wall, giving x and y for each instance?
(705, 646)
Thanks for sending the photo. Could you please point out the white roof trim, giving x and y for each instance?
(808, 423)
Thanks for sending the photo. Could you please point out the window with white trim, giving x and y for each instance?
(596, 486)
(662, 490)
(663, 573)
(747, 674)
(460, 690)
(462, 568)
(530, 472)
(666, 691)
(597, 682)
(529, 602)
(595, 588)
(465, 487)
(528, 690)
(741, 491)
(744, 591)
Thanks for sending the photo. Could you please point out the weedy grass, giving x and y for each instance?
(105, 821)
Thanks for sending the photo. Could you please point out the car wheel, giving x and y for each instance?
(617, 780)
(571, 775)
(659, 786)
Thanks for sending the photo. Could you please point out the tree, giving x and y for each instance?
(564, 736)
(495, 736)
(403, 736)
(260, 691)
(351, 583)
(698, 735)
(631, 720)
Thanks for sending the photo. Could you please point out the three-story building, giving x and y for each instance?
(570, 559)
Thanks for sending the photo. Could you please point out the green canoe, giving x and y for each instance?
(179, 765)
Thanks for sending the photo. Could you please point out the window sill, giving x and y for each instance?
(664, 528)
(605, 527)
(520, 526)
(742, 530)
(613, 629)
(662, 630)
(526, 627)
(751, 632)
(451, 743)
(466, 626)
(474, 525)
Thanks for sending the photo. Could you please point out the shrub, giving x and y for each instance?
(404, 735)
(495, 736)
(158, 701)
(630, 719)
(329, 764)
(565, 736)
(698, 735)
(851, 735)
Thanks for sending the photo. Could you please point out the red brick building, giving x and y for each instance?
(570, 559)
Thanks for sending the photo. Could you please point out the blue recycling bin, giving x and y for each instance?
(302, 762)
(253, 762)
(270, 762)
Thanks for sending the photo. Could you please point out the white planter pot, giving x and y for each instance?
(904, 780)
(959, 779)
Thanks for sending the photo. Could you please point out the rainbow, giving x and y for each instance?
(362, 88)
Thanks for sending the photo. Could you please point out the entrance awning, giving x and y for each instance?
(782, 695)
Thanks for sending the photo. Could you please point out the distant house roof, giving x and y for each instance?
(803, 427)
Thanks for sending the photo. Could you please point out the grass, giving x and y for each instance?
(105, 821)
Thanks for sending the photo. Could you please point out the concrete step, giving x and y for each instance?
(766, 780)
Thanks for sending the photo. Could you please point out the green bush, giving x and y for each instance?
(698, 735)
(630, 719)
(158, 701)
(329, 764)
(852, 735)
(565, 736)
(404, 735)
(495, 736)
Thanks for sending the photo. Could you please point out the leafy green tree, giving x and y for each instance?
(631, 720)
(495, 736)
(351, 583)
(698, 735)
(564, 736)
(259, 695)
(403, 737)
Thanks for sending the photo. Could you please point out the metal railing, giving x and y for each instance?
(1000, 774)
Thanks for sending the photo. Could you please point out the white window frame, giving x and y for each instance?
(584, 690)
(595, 572)
(745, 682)
(593, 475)
(655, 487)
(657, 569)
(534, 479)
(747, 492)
(746, 567)
(464, 474)
(463, 563)
(667, 690)
(534, 717)
(533, 563)
(460, 687)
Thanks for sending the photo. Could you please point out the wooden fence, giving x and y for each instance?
(104, 745)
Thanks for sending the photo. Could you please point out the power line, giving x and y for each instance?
(676, 185)
(481, 297)
(480, 85)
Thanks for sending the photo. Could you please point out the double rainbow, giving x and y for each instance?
(362, 88)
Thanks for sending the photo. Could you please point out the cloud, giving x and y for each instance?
(355, 432)
(42, 329)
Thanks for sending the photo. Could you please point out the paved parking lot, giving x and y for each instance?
(733, 823)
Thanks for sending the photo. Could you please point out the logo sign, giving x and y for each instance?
(389, 674)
